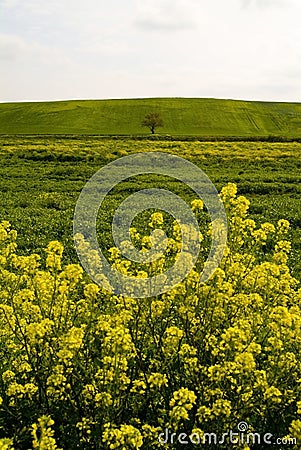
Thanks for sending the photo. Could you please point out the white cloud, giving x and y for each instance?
(12, 47)
(8, 3)
(107, 46)
(166, 15)
(35, 7)
(266, 3)
(16, 49)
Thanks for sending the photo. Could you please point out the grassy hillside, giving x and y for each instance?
(182, 116)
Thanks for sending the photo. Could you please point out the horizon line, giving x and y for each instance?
(146, 98)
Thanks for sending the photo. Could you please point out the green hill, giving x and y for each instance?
(182, 116)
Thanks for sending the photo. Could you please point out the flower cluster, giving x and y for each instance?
(82, 368)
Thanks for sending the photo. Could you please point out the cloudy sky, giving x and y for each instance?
(75, 49)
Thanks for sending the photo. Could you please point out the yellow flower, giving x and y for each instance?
(43, 434)
(268, 227)
(295, 429)
(8, 376)
(156, 220)
(273, 394)
(283, 226)
(6, 444)
(54, 254)
(221, 407)
(183, 398)
(125, 437)
(157, 380)
(228, 192)
(283, 246)
(197, 205)
(91, 290)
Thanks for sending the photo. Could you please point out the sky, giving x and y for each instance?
(95, 49)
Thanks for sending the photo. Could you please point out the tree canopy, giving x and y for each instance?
(152, 121)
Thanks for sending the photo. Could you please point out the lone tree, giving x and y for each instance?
(152, 121)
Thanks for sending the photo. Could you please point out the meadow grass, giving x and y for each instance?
(41, 179)
(181, 116)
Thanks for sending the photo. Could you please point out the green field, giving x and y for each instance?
(74, 360)
(182, 116)
(41, 179)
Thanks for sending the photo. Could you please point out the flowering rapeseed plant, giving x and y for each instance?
(84, 369)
